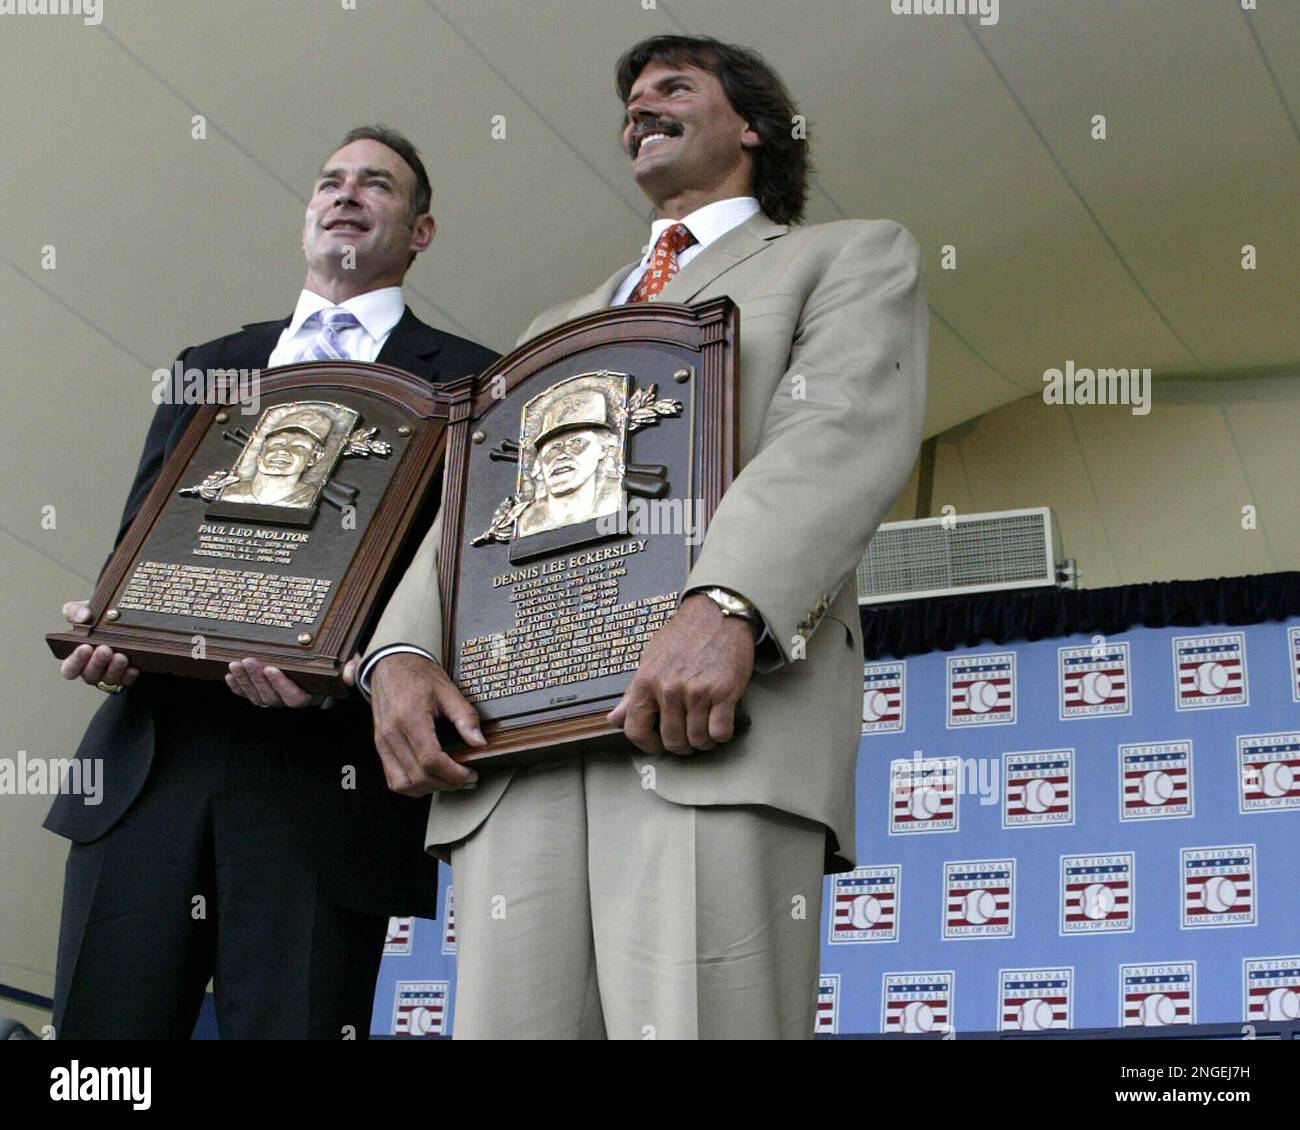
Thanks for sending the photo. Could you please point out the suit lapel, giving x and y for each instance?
(410, 346)
(735, 247)
(252, 349)
(602, 296)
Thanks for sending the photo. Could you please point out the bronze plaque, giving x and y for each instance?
(271, 535)
(582, 471)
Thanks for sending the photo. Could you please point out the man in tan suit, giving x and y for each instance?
(676, 893)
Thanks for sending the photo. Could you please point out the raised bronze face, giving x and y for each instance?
(288, 452)
(570, 459)
(288, 458)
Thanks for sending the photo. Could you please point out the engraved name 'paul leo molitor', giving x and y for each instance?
(287, 461)
(571, 454)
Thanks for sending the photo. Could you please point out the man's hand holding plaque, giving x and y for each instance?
(409, 694)
(264, 685)
(691, 676)
(100, 666)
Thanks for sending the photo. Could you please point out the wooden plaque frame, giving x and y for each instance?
(316, 667)
(708, 337)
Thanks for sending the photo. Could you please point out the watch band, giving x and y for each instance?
(730, 604)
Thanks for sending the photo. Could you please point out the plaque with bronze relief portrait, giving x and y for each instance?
(581, 474)
(273, 528)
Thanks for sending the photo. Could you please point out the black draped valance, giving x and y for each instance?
(944, 623)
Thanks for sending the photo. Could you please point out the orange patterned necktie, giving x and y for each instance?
(663, 263)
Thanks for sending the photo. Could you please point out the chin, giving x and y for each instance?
(647, 163)
(661, 175)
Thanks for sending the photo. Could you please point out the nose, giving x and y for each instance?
(345, 193)
(640, 111)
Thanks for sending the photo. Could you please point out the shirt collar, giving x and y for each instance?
(378, 311)
(709, 223)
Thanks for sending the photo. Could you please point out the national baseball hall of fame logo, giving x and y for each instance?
(982, 689)
(1098, 893)
(1095, 680)
(449, 921)
(979, 899)
(1220, 886)
(1210, 671)
(398, 941)
(1034, 1000)
(917, 1002)
(1271, 987)
(1269, 772)
(865, 905)
(923, 795)
(1157, 996)
(884, 698)
(1155, 780)
(1038, 788)
(420, 1008)
(828, 1004)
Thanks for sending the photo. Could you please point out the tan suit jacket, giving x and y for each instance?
(834, 342)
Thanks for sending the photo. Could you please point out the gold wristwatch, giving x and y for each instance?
(730, 604)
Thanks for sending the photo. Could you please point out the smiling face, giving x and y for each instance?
(288, 452)
(688, 146)
(570, 459)
(362, 199)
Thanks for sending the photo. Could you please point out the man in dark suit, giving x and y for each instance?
(262, 848)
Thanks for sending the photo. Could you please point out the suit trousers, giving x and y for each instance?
(588, 907)
(210, 874)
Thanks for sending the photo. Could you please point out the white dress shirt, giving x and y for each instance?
(706, 224)
(378, 312)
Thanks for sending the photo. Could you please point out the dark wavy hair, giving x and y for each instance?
(757, 94)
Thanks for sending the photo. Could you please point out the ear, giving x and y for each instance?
(750, 139)
(422, 232)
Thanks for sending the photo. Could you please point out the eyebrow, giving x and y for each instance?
(659, 84)
(385, 173)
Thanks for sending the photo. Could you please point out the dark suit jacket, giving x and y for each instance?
(368, 840)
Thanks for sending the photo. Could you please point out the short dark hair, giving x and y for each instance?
(757, 94)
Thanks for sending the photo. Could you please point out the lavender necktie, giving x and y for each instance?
(326, 346)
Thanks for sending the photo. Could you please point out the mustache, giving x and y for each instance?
(658, 125)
